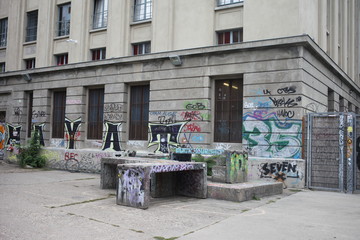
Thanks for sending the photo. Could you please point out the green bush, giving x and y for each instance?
(210, 161)
(30, 155)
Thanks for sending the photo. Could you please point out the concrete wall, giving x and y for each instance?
(282, 80)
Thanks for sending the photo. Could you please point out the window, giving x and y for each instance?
(95, 113)
(30, 63)
(142, 10)
(3, 32)
(227, 2)
(228, 110)
(98, 54)
(2, 67)
(62, 59)
(30, 111)
(141, 48)
(139, 112)
(31, 28)
(100, 14)
(58, 123)
(229, 37)
(63, 26)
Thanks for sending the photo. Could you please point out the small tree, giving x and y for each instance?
(30, 155)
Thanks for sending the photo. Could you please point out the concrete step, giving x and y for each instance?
(240, 192)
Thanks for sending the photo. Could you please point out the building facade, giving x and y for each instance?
(98, 77)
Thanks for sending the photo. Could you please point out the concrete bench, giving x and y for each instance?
(108, 168)
(134, 188)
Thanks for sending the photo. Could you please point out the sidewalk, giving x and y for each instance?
(38, 204)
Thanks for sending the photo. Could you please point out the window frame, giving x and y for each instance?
(2, 67)
(31, 26)
(58, 114)
(63, 23)
(100, 14)
(142, 10)
(138, 128)
(62, 59)
(98, 54)
(30, 63)
(223, 36)
(96, 107)
(228, 114)
(141, 48)
(228, 2)
(3, 32)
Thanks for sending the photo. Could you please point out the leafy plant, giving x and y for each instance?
(210, 161)
(30, 155)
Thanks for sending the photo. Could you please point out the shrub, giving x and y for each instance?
(30, 155)
(210, 162)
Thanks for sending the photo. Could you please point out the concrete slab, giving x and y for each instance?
(240, 192)
(62, 205)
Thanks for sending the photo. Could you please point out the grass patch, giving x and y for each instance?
(138, 231)
(256, 198)
(271, 201)
(245, 210)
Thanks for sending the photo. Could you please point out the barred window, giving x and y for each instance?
(142, 10)
(139, 112)
(229, 37)
(30, 63)
(62, 59)
(3, 32)
(95, 113)
(141, 48)
(100, 14)
(58, 123)
(63, 24)
(228, 110)
(2, 67)
(98, 54)
(31, 28)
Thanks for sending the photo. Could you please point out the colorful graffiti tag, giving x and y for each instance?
(13, 134)
(165, 135)
(112, 136)
(40, 129)
(266, 136)
(72, 128)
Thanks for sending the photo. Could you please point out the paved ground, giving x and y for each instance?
(38, 204)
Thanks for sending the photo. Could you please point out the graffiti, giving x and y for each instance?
(283, 102)
(18, 113)
(172, 168)
(286, 90)
(112, 136)
(71, 155)
(285, 113)
(163, 114)
(40, 129)
(13, 134)
(196, 105)
(132, 187)
(167, 120)
(112, 112)
(58, 142)
(267, 136)
(2, 140)
(238, 162)
(73, 101)
(223, 146)
(202, 151)
(313, 107)
(194, 116)
(165, 135)
(266, 91)
(192, 127)
(90, 161)
(37, 114)
(257, 102)
(72, 134)
(197, 138)
(135, 143)
(271, 170)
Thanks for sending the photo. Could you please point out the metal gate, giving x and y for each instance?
(331, 151)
